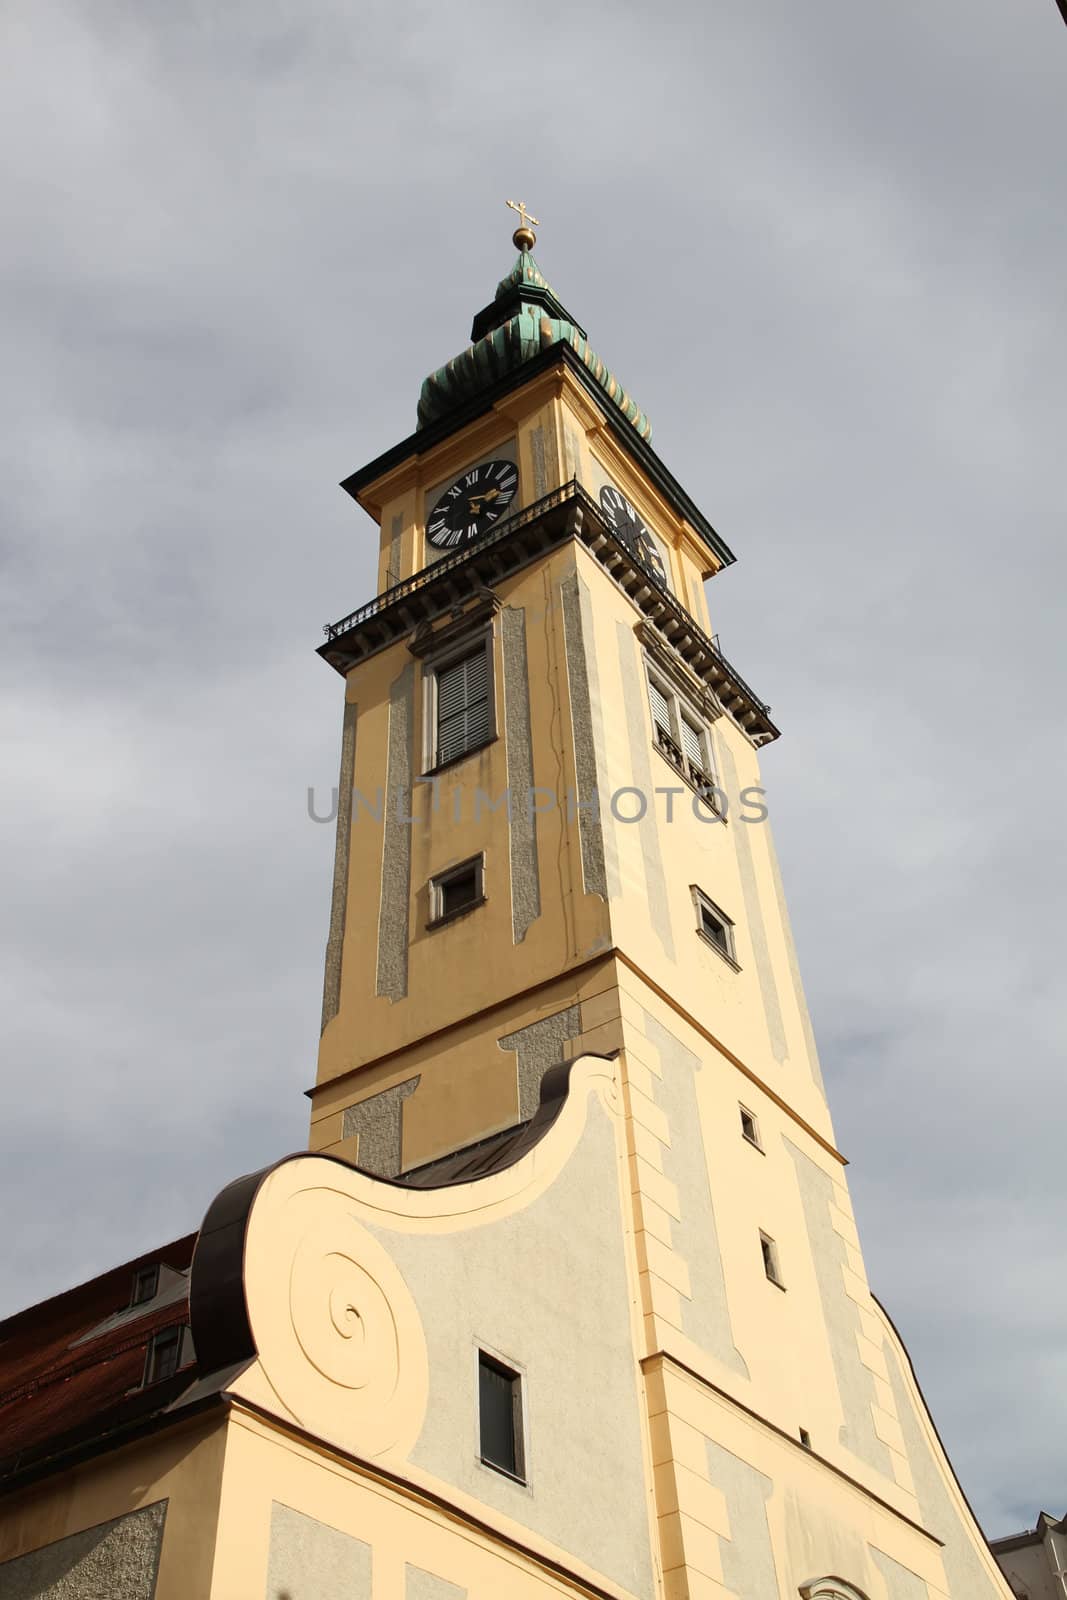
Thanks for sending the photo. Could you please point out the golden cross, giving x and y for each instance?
(524, 216)
(523, 236)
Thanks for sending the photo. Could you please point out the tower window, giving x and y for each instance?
(462, 704)
(770, 1260)
(164, 1354)
(805, 1438)
(145, 1284)
(714, 926)
(750, 1127)
(682, 735)
(500, 1417)
(456, 890)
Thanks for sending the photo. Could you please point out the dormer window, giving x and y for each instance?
(145, 1284)
(166, 1353)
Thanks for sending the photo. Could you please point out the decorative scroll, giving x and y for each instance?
(337, 1331)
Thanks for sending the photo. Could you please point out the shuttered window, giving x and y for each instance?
(464, 719)
(661, 710)
(682, 736)
(692, 742)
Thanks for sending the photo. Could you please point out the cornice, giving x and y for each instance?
(568, 512)
(424, 440)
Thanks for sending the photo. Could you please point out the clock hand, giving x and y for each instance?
(477, 501)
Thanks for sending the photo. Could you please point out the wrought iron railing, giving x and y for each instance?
(388, 597)
(571, 491)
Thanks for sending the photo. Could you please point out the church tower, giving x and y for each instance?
(552, 844)
(566, 1299)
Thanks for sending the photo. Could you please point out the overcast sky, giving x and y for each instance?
(823, 246)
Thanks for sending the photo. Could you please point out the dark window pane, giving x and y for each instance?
(498, 1399)
(145, 1282)
(460, 891)
(163, 1354)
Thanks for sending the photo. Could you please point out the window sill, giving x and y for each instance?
(777, 1284)
(454, 916)
(512, 1477)
(730, 962)
(454, 761)
(753, 1142)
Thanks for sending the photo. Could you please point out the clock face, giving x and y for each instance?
(631, 530)
(470, 507)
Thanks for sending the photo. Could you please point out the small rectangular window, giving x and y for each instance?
(164, 1354)
(456, 890)
(500, 1416)
(145, 1284)
(750, 1127)
(463, 711)
(770, 1259)
(805, 1438)
(714, 925)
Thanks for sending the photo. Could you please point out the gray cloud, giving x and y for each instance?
(824, 247)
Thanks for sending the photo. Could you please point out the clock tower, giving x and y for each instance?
(554, 870)
(566, 1300)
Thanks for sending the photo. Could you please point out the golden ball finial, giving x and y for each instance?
(524, 237)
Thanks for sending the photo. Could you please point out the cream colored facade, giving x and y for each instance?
(691, 1427)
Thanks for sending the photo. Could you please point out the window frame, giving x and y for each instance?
(513, 1370)
(703, 902)
(147, 1276)
(752, 1138)
(450, 655)
(439, 881)
(671, 746)
(174, 1333)
(772, 1266)
(830, 1589)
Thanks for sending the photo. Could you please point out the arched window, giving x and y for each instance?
(830, 1589)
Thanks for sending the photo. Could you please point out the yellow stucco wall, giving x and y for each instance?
(182, 1467)
(618, 1263)
(736, 1365)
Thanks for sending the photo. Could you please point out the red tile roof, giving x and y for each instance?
(58, 1387)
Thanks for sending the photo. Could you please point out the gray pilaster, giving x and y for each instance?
(331, 983)
(539, 1046)
(754, 923)
(587, 731)
(393, 932)
(855, 1381)
(635, 700)
(518, 740)
(378, 1121)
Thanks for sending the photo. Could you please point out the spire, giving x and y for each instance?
(524, 318)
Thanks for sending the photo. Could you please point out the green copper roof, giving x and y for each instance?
(524, 318)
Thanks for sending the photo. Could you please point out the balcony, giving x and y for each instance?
(567, 513)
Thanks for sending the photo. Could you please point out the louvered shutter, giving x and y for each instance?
(692, 743)
(477, 666)
(661, 711)
(463, 705)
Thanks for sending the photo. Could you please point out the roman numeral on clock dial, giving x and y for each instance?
(471, 505)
